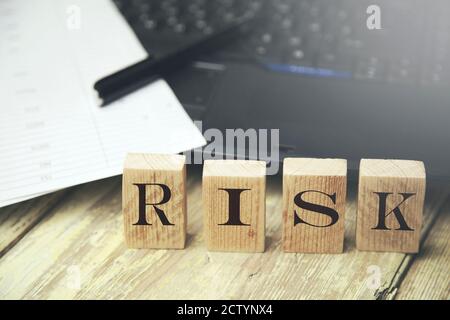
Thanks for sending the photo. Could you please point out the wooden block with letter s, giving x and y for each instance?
(154, 201)
(234, 205)
(314, 196)
(390, 205)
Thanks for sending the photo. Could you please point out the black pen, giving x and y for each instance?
(123, 82)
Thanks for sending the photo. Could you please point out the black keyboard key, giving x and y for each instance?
(403, 71)
(332, 60)
(323, 34)
(371, 68)
(436, 74)
(300, 57)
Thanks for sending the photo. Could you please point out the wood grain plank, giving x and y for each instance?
(17, 219)
(429, 275)
(78, 252)
(41, 249)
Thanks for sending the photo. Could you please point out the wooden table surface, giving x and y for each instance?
(70, 245)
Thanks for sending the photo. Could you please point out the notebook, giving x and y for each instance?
(52, 133)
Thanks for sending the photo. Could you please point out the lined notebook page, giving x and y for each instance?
(52, 133)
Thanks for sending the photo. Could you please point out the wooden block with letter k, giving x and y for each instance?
(314, 195)
(234, 205)
(154, 201)
(390, 205)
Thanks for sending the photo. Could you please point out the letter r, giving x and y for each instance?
(143, 204)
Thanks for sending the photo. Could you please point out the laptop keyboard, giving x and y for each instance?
(319, 38)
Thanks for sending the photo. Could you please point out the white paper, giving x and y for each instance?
(52, 133)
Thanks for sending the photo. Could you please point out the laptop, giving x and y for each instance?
(336, 80)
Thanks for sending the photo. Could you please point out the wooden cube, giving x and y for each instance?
(154, 201)
(314, 196)
(390, 205)
(234, 205)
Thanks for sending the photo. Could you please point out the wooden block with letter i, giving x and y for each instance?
(314, 196)
(390, 205)
(154, 201)
(234, 205)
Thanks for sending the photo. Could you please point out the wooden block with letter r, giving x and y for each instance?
(314, 196)
(234, 205)
(390, 205)
(154, 201)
